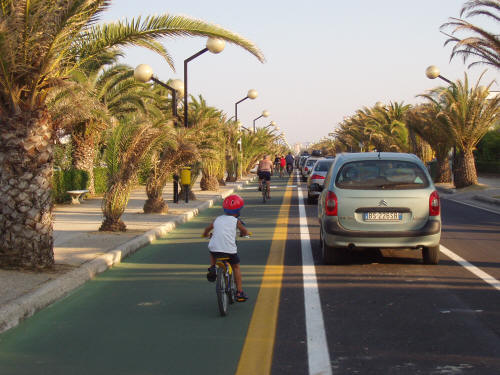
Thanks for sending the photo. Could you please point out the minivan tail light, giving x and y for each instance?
(434, 204)
(306, 169)
(317, 177)
(331, 204)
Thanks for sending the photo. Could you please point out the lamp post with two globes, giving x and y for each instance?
(144, 73)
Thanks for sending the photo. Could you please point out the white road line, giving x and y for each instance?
(317, 347)
(470, 205)
(469, 267)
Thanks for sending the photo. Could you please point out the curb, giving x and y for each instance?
(25, 306)
(487, 199)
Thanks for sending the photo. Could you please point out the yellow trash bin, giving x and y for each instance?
(186, 176)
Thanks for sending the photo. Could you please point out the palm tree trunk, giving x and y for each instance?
(209, 183)
(231, 168)
(114, 203)
(464, 174)
(154, 190)
(84, 156)
(26, 220)
(443, 169)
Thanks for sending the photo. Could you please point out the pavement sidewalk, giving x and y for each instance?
(486, 195)
(81, 251)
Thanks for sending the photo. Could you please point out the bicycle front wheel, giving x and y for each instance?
(220, 289)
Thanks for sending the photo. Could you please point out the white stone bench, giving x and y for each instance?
(76, 195)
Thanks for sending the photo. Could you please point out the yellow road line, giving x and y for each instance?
(257, 354)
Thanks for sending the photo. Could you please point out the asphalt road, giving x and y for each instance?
(383, 312)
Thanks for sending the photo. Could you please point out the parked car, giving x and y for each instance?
(307, 166)
(379, 200)
(317, 178)
(301, 162)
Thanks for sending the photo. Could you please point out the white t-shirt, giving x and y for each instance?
(224, 235)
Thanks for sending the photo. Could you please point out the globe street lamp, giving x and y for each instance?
(265, 113)
(432, 72)
(144, 73)
(214, 45)
(252, 94)
(272, 123)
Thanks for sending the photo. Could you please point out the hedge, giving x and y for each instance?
(488, 166)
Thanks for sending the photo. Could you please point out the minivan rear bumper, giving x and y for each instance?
(332, 226)
(337, 236)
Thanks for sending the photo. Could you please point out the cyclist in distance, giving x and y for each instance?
(277, 161)
(264, 170)
(289, 162)
(223, 241)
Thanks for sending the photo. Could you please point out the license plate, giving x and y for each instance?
(383, 216)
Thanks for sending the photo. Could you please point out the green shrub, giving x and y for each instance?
(100, 180)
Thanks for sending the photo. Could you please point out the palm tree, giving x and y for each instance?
(110, 92)
(41, 44)
(468, 114)
(128, 145)
(482, 44)
(178, 149)
(386, 127)
(424, 121)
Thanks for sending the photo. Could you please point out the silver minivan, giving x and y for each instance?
(379, 200)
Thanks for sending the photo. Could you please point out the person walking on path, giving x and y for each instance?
(282, 166)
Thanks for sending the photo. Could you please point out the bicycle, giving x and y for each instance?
(225, 286)
(265, 191)
(289, 168)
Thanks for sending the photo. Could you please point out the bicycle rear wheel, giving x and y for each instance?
(220, 289)
(264, 192)
(232, 289)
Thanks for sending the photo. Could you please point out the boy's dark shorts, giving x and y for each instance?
(233, 258)
(266, 176)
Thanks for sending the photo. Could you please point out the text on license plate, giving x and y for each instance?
(382, 216)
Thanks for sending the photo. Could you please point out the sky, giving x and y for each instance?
(325, 59)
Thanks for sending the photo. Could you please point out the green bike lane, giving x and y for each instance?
(155, 313)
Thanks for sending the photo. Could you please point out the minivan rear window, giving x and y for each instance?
(381, 175)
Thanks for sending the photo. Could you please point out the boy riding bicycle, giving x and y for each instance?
(223, 241)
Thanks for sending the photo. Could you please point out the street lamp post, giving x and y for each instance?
(265, 113)
(432, 72)
(252, 94)
(144, 73)
(214, 45)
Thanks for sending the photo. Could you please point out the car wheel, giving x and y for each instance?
(430, 254)
(331, 255)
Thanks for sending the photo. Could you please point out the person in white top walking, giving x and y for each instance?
(223, 240)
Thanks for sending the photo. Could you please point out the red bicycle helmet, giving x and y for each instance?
(233, 204)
